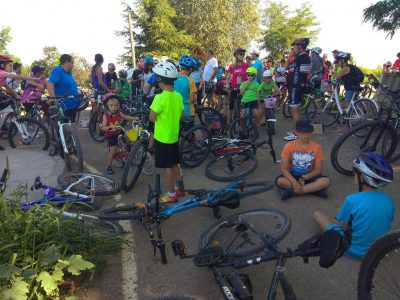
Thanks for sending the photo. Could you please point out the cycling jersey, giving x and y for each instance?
(238, 74)
(299, 69)
(112, 119)
(349, 80)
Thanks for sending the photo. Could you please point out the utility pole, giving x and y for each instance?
(131, 37)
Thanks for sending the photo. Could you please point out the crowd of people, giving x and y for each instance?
(179, 88)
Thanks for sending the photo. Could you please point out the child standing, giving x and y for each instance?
(166, 111)
(111, 120)
(124, 90)
(251, 96)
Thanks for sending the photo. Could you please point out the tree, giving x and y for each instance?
(5, 38)
(384, 15)
(282, 26)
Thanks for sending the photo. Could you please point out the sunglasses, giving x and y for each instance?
(241, 54)
(268, 77)
(252, 75)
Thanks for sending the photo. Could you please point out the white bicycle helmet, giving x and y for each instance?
(374, 169)
(317, 50)
(267, 73)
(166, 69)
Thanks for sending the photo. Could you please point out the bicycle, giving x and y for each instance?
(307, 104)
(96, 117)
(150, 214)
(380, 136)
(244, 127)
(235, 241)
(378, 277)
(64, 138)
(330, 109)
(21, 131)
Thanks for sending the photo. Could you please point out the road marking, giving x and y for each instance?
(128, 257)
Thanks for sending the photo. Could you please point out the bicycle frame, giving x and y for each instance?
(9, 110)
(344, 111)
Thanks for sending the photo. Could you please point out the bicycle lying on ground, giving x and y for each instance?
(380, 135)
(378, 277)
(153, 214)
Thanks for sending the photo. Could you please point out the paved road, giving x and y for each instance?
(181, 277)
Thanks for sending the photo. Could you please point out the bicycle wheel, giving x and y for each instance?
(74, 157)
(94, 126)
(250, 188)
(134, 164)
(363, 110)
(103, 186)
(386, 145)
(29, 134)
(379, 277)
(326, 112)
(238, 240)
(311, 109)
(231, 166)
(194, 146)
(270, 124)
(244, 129)
(286, 109)
(211, 119)
(367, 136)
(129, 212)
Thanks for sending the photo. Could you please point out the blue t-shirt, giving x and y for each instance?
(64, 84)
(259, 66)
(221, 70)
(152, 80)
(182, 86)
(369, 214)
(196, 75)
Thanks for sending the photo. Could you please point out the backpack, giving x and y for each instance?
(359, 75)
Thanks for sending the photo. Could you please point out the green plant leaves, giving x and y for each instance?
(18, 291)
(8, 270)
(78, 264)
(49, 282)
(49, 257)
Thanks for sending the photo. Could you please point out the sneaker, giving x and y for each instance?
(322, 193)
(109, 170)
(286, 194)
(167, 198)
(290, 137)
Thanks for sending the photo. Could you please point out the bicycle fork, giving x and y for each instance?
(280, 277)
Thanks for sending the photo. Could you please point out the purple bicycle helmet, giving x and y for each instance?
(374, 169)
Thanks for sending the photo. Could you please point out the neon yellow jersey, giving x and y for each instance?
(168, 106)
(251, 93)
(336, 70)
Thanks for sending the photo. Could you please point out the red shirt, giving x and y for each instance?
(113, 119)
(396, 65)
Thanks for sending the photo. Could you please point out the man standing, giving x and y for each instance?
(210, 75)
(61, 83)
(317, 67)
(257, 63)
(297, 79)
(137, 77)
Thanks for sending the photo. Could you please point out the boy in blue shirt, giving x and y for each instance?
(368, 214)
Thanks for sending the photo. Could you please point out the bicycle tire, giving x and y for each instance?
(74, 158)
(103, 186)
(326, 114)
(270, 114)
(194, 146)
(41, 134)
(230, 174)
(279, 222)
(128, 212)
(377, 257)
(134, 164)
(351, 144)
(212, 119)
(386, 143)
(251, 188)
(364, 110)
(285, 108)
(95, 121)
(243, 128)
(99, 226)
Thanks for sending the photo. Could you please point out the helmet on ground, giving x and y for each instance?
(374, 169)
(239, 50)
(267, 73)
(107, 98)
(317, 50)
(251, 70)
(301, 41)
(187, 61)
(5, 59)
(123, 73)
(111, 66)
(166, 69)
(148, 60)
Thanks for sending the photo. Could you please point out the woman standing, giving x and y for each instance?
(98, 77)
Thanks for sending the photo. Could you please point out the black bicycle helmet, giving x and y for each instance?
(342, 55)
(301, 41)
(239, 50)
(123, 73)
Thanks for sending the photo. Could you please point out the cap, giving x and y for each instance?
(304, 126)
(37, 69)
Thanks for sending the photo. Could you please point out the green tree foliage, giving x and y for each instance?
(5, 38)
(384, 15)
(221, 25)
(159, 35)
(282, 26)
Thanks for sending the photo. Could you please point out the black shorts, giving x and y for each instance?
(167, 155)
(251, 105)
(235, 95)
(312, 179)
(112, 140)
(295, 96)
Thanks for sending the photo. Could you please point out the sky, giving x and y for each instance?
(88, 27)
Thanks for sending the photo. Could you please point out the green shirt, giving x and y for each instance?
(250, 94)
(266, 88)
(168, 106)
(126, 89)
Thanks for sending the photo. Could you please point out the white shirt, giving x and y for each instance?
(13, 83)
(209, 70)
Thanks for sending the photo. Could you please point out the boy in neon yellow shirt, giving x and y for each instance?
(166, 111)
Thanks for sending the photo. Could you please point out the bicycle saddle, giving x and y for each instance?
(229, 199)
